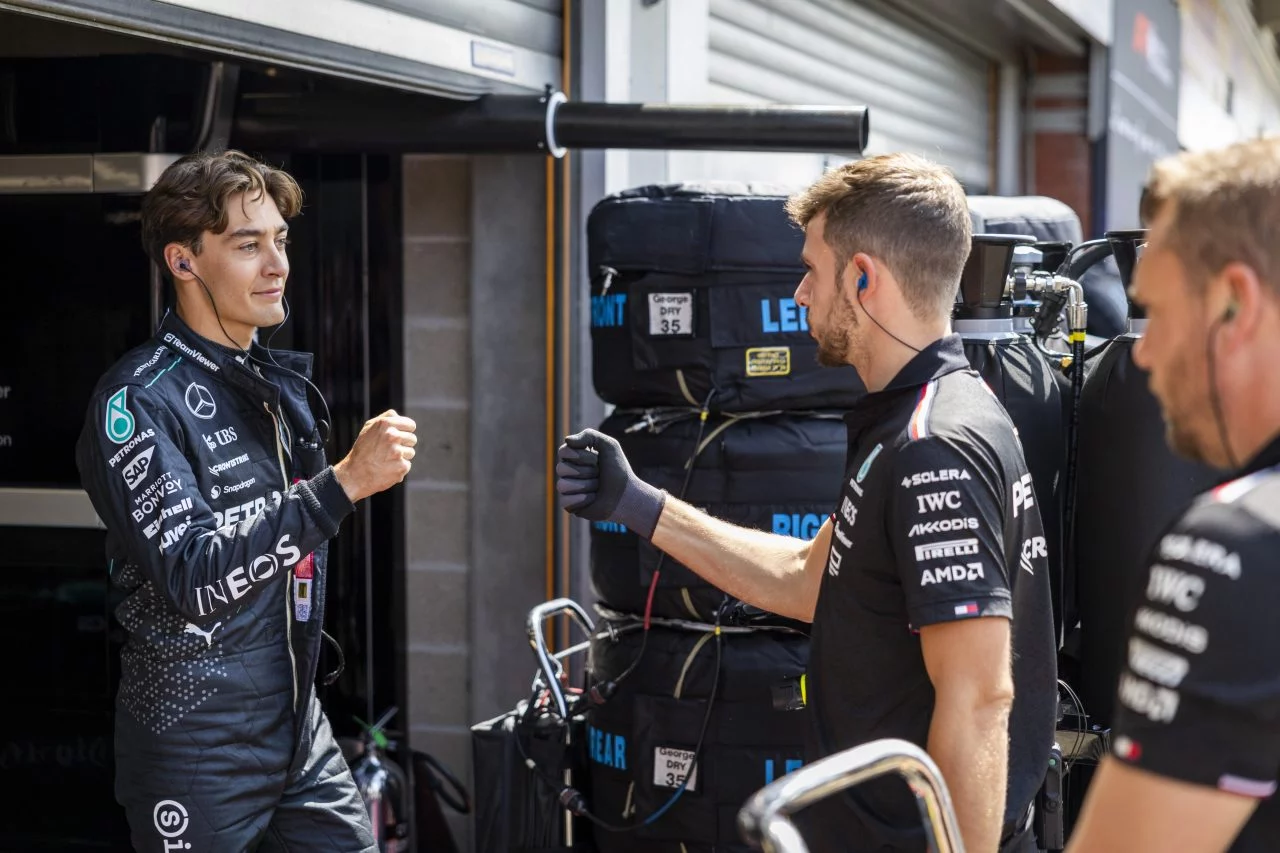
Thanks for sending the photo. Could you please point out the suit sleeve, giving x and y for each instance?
(1199, 693)
(132, 463)
(946, 523)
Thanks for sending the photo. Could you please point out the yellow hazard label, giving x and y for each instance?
(769, 361)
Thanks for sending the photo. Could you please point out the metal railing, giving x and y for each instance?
(765, 820)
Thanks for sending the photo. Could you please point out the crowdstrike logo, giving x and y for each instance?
(230, 463)
(194, 354)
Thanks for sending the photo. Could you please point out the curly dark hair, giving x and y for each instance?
(192, 195)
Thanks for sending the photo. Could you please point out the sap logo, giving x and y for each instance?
(790, 316)
(928, 477)
(946, 525)
(794, 524)
(173, 536)
(239, 580)
(1032, 548)
(607, 749)
(608, 527)
(1170, 586)
(609, 311)
(221, 438)
(1024, 497)
(937, 501)
(790, 766)
(967, 572)
(136, 471)
(951, 548)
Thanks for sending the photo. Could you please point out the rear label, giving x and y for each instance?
(670, 766)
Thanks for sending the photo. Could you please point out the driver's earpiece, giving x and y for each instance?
(1230, 313)
(183, 265)
(862, 282)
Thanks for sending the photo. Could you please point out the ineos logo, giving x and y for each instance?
(200, 401)
(170, 818)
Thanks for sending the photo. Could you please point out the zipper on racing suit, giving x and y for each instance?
(288, 603)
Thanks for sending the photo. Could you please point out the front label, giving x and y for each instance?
(670, 766)
(671, 314)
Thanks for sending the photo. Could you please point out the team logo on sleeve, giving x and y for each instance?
(120, 423)
(866, 465)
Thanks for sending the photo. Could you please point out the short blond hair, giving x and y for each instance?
(1225, 206)
(902, 209)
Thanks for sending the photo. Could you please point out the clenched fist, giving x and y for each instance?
(380, 458)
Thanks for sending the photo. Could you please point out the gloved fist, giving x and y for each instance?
(595, 482)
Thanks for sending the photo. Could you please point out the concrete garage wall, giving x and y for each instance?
(474, 331)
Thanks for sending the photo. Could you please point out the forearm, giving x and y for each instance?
(970, 745)
(762, 569)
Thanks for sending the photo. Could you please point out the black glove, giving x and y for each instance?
(596, 483)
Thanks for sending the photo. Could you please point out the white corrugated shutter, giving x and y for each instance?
(926, 94)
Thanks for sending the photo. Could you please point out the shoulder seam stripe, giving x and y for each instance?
(924, 405)
(156, 378)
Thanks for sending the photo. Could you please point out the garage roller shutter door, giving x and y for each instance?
(926, 95)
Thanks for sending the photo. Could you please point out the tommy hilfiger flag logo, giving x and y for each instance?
(969, 608)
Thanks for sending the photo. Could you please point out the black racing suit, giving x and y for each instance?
(937, 522)
(1199, 694)
(218, 505)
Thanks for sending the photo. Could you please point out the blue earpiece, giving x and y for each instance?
(862, 282)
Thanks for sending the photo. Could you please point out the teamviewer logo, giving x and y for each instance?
(171, 821)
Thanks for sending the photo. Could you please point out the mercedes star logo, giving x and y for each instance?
(200, 401)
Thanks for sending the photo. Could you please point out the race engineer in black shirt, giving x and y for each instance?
(203, 458)
(927, 588)
(1196, 739)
